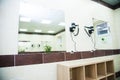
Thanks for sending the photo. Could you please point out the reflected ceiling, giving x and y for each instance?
(39, 19)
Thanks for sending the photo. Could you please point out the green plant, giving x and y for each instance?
(47, 48)
(21, 50)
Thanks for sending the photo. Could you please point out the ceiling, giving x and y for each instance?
(113, 4)
(37, 13)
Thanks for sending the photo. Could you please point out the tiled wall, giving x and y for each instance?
(40, 58)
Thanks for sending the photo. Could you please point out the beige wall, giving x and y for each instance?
(82, 12)
(9, 10)
(78, 11)
(117, 27)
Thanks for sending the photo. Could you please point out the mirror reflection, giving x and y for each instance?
(40, 26)
(102, 34)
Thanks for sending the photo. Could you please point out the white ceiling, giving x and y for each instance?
(38, 12)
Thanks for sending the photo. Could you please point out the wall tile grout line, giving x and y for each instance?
(43, 58)
(81, 55)
(14, 60)
(65, 57)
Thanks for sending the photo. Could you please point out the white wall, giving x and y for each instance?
(81, 12)
(117, 27)
(57, 42)
(35, 40)
(9, 10)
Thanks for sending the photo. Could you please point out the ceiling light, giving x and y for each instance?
(46, 21)
(51, 31)
(25, 19)
(23, 29)
(62, 24)
(38, 30)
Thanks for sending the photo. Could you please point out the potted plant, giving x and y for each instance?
(47, 48)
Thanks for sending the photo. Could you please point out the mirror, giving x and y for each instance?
(40, 26)
(102, 34)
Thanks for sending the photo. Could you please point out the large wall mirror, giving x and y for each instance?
(39, 26)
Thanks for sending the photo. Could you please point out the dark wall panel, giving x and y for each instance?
(27, 59)
(73, 56)
(108, 52)
(54, 57)
(6, 60)
(39, 58)
(99, 53)
(87, 54)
